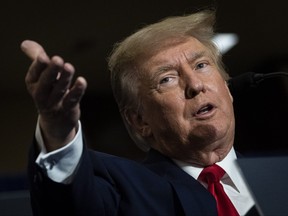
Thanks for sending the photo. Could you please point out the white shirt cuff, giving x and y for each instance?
(60, 165)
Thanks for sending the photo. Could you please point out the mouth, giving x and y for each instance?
(204, 110)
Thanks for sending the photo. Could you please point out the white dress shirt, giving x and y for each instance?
(232, 181)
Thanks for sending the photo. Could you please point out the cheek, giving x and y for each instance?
(165, 111)
(223, 98)
(230, 95)
(222, 90)
(228, 108)
(166, 103)
(173, 108)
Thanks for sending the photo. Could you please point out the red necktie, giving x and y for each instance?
(211, 175)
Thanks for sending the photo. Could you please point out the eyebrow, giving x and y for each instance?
(194, 56)
(191, 57)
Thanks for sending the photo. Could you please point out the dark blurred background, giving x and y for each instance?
(84, 33)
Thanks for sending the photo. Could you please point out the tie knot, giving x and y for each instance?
(211, 174)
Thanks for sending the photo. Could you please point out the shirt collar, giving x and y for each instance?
(232, 176)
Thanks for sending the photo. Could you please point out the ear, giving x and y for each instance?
(135, 120)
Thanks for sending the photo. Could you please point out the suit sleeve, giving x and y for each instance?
(91, 192)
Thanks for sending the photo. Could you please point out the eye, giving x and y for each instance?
(201, 65)
(165, 80)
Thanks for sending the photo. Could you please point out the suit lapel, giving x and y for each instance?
(194, 198)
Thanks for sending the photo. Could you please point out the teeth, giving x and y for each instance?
(204, 109)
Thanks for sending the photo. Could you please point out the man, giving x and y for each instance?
(170, 87)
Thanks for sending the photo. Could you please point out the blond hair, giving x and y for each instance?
(125, 60)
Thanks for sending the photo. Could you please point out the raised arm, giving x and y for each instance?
(56, 95)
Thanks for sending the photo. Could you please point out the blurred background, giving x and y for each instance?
(84, 33)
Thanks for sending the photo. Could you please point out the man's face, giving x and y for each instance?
(187, 108)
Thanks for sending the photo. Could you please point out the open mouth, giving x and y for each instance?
(204, 110)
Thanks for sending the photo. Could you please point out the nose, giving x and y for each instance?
(193, 85)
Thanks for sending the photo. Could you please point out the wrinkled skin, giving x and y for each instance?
(187, 111)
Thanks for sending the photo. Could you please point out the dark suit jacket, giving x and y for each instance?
(109, 185)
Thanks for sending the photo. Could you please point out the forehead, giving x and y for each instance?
(175, 51)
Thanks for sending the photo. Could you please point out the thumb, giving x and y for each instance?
(32, 49)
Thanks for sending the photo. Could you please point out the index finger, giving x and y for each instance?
(32, 49)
